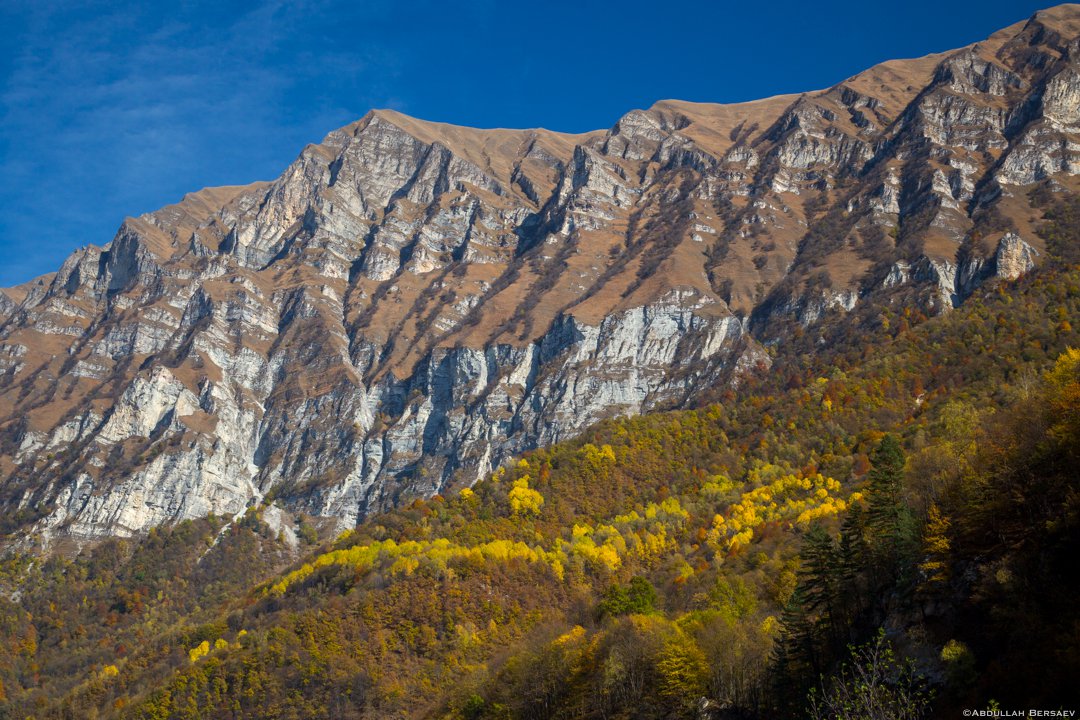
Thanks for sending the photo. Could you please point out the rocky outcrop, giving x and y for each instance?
(1013, 257)
(410, 304)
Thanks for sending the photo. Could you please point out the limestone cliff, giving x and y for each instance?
(411, 303)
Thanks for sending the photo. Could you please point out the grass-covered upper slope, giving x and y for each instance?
(652, 562)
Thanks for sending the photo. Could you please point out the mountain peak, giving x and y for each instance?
(1064, 18)
(411, 302)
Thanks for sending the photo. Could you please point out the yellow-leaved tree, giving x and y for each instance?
(523, 499)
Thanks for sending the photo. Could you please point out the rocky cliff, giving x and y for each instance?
(410, 303)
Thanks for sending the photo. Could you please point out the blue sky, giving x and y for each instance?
(110, 108)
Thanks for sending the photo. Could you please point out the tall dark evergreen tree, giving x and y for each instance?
(795, 661)
(854, 558)
(811, 622)
(892, 528)
(886, 479)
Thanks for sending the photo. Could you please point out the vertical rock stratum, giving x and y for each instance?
(410, 303)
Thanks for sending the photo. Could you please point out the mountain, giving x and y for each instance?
(844, 495)
(410, 304)
(706, 564)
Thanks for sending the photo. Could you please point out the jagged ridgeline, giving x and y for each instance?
(709, 563)
(411, 304)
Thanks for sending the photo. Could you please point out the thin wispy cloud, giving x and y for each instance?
(110, 111)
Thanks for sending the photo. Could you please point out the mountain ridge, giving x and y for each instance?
(411, 303)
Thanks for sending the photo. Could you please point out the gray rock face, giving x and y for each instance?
(1013, 257)
(410, 304)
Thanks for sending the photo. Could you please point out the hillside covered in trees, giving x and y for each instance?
(885, 522)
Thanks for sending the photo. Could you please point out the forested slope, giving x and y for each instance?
(913, 476)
